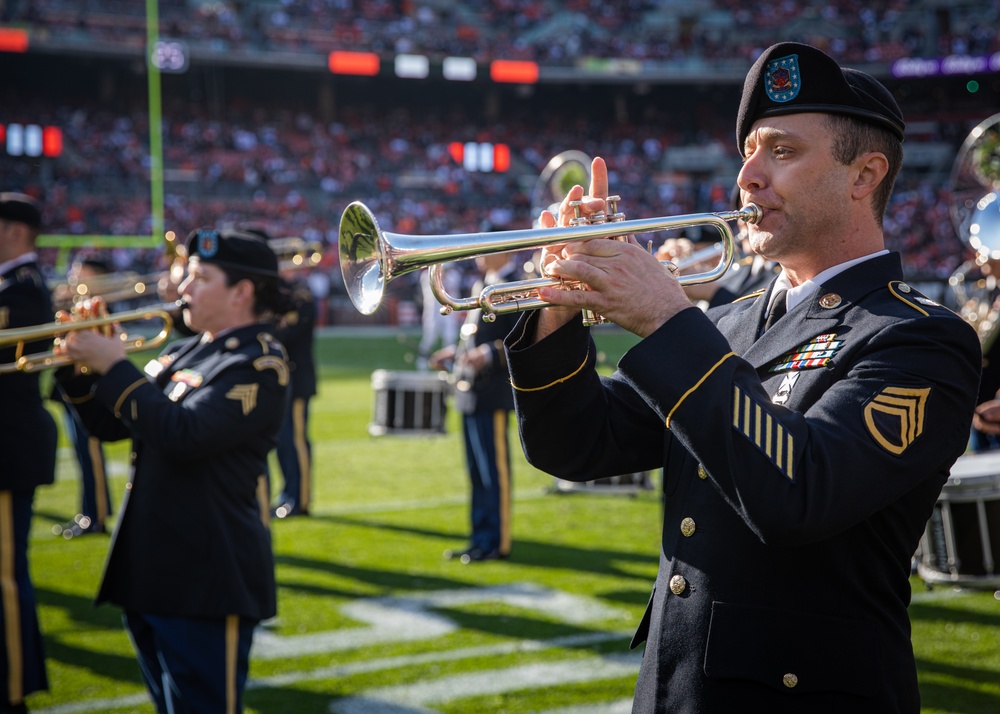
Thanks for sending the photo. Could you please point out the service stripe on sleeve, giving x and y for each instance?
(764, 431)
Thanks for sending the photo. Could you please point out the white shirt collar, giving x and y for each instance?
(801, 292)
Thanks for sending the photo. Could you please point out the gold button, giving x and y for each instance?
(830, 300)
(789, 680)
(702, 473)
(678, 584)
(687, 527)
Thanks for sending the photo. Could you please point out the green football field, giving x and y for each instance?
(372, 619)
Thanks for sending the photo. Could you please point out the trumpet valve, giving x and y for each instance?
(614, 215)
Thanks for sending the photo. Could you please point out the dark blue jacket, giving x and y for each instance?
(27, 431)
(192, 537)
(789, 527)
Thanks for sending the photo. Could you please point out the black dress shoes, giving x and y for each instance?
(474, 554)
(81, 525)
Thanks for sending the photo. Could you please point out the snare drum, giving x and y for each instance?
(962, 537)
(412, 403)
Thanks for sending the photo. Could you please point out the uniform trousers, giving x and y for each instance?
(294, 452)
(95, 496)
(488, 460)
(22, 657)
(192, 665)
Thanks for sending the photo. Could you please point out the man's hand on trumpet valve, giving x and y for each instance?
(625, 283)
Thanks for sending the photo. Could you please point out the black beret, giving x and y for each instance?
(21, 208)
(233, 248)
(791, 78)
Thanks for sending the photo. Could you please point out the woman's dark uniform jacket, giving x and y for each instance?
(27, 431)
(788, 529)
(192, 538)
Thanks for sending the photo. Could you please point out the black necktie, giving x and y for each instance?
(778, 308)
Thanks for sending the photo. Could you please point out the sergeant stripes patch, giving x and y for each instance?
(764, 430)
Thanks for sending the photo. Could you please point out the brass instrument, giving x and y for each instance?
(371, 257)
(113, 287)
(295, 253)
(19, 337)
(975, 212)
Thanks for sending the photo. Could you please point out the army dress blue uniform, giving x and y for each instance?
(192, 545)
(799, 471)
(28, 437)
(485, 400)
(294, 450)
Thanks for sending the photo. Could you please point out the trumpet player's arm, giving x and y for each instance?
(573, 423)
(835, 467)
(228, 406)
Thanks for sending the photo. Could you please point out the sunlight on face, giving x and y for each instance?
(208, 297)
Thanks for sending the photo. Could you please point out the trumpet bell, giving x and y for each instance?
(984, 226)
(363, 264)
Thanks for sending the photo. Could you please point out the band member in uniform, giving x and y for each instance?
(191, 562)
(28, 443)
(296, 332)
(95, 494)
(801, 462)
(483, 396)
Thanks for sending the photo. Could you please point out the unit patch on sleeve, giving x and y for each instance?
(816, 353)
(765, 431)
(895, 417)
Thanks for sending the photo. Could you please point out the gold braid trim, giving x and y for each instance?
(128, 390)
(558, 381)
(696, 385)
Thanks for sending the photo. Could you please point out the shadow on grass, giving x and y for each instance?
(957, 699)
(81, 609)
(283, 700)
(533, 553)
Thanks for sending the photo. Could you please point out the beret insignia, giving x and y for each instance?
(782, 80)
(208, 243)
(895, 417)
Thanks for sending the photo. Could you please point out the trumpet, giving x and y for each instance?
(20, 337)
(370, 257)
(113, 287)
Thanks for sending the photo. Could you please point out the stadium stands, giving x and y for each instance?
(291, 150)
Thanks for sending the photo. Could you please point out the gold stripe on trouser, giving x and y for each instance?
(500, 421)
(11, 601)
(263, 500)
(100, 479)
(232, 651)
(301, 450)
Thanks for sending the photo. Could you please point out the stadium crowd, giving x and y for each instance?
(294, 173)
(293, 169)
(553, 33)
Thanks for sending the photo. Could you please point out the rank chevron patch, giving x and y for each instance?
(245, 393)
(895, 417)
(815, 353)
